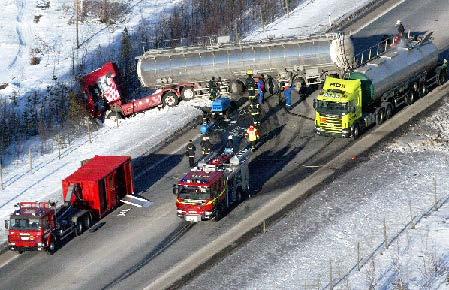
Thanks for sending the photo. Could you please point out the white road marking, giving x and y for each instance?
(9, 260)
(378, 16)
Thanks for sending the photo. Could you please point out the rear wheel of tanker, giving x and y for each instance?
(355, 131)
(170, 99)
(187, 93)
(388, 111)
(380, 116)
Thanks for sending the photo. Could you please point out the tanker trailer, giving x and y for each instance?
(373, 92)
(188, 69)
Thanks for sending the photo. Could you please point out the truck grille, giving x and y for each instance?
(331, 123)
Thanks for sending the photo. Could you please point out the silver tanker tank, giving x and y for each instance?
(399, 64)
(231, 61)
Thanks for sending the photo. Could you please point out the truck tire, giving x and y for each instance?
(411, 97)
(187, 93)
(170, 99)
(355, 131)
(79, 228)
(380, 116)
(237, 87)
(87, 222)
(52, 247)
(388, 111)
(114, 115)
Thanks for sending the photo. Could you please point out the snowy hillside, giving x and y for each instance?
(53, 36)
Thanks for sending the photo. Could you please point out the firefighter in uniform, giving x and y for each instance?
(190, 152)
(213, 89)
(206, 146)
(250, 85)
(255, 110)
(252, 133)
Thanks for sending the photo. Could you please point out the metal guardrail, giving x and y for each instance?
(373, 52)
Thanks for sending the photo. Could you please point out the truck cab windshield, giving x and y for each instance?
(194, 193)
(25, 224)
(334, 108)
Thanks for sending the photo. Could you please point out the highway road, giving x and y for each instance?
(133, 248)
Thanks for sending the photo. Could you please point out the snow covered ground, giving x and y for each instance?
(387, 192)
(53, 38)
(311, 16)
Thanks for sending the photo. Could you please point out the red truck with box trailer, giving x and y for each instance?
(105, 98)
(89, 194)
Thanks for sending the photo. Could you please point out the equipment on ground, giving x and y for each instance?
(213, 187)
(89, 194)
(372, 93)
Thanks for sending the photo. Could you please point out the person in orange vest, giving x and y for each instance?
(252, 134)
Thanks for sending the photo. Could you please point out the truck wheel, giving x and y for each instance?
(380, 116)
(87, 222)
(114, 115)
(187, 93)
(355, 131)
(170, 99)
(79, 228)
(52, 247)
(388, 111)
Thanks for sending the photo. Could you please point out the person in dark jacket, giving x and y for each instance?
(229, 147)
(206, 146)
(190, 152)
(401, 29)
(270, 85)
(261, 88)
(213, 89)
(254, 110)
(250, 85)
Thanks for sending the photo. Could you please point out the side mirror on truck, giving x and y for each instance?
(314, 103)
(7, 224)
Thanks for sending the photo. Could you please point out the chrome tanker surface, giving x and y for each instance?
(231, 61)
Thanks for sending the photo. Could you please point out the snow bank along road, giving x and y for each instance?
(116, 254)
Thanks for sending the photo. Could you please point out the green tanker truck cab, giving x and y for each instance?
(339, 107)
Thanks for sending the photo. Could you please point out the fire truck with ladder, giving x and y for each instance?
(209, 190)
(89, 194)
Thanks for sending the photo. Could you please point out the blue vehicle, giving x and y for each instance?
(221, 105)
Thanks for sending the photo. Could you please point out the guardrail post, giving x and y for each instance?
(31, 159)
(1, 174)
(358, 256)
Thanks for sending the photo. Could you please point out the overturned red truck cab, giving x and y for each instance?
(105, 98)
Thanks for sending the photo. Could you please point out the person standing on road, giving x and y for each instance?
(270, 85)
(250, 85)
(252, 134)
(206, 146)
(254, 110)
(213, 89)
(229, 148)
(288, 97)
(190, 152)
(261, 88)
(400, 27)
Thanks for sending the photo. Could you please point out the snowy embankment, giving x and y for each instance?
(391, 194)
(310, 17)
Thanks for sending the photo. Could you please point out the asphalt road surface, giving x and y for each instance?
(128, 250)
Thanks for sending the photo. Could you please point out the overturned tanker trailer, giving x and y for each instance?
(188, 69)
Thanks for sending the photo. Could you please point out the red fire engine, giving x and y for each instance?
(89, 194)
(209, 190)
